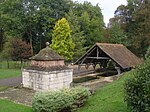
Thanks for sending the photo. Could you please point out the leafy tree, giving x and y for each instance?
(32, 20)
(2, 39)
(20, 49)
(147, 55)
(76, 34)
(42, 16)
(116, 35)
(16, 49)
(134, 20)
(139, 29)
(61, 39)
(6, 52)
(91, 22)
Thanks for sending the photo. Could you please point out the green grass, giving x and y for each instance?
(8, 106)
(7, 73)
(2, 88)
(12, 64)
(109, 98)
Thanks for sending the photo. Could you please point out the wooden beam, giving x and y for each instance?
(98, 57)
(91, 51)
(97, 52)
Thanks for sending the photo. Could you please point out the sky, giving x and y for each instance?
(108, 7)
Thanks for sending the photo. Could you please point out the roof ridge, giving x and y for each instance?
(97, 43)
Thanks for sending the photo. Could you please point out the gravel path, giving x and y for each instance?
(11, 81)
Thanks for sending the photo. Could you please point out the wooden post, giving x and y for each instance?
(118, 70)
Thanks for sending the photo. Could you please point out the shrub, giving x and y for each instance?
(147, 53)
(59, 101)
(137, 89)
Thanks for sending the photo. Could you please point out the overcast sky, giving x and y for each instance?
(108, 7)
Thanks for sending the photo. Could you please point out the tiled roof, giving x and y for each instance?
(47, 54)
(117, 52)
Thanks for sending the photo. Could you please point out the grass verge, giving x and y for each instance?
(8, 73)
(8, 106)
(109, 98)
(2, 88)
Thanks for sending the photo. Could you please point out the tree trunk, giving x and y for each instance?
(31, 43)
(21, 63)
(7, 63)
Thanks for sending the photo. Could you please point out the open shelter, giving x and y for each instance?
(105, 53)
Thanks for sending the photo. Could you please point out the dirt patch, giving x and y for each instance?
(18, 95)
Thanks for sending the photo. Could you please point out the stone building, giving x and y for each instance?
(47, 71)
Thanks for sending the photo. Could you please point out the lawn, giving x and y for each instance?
(3, 88)
(8, 106)
(12, 64)
(110, 98)
(7, 73)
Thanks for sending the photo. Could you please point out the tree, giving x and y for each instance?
(2, 39)
(16, 49)
(117, 35)
(61, 39)
(147, 55)
(20, 49)
(134, 20)
(91, 22)
(76, 35)
(5, 54)
(139, 28)
(32, 20)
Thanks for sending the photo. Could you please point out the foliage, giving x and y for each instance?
(59, 101)
(109, 98)
(32, 20)
(91, 22)
(147, 55)
(134, 20)
(138, 89)
(76, 34)
(62, 42)
(2, 39)
(116, 34)
(16, 49)
(9, 106)
(6, 52)
(20, 49)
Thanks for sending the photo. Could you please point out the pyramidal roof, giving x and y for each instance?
(47, 54)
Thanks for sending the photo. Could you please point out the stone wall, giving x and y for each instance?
(41, 80)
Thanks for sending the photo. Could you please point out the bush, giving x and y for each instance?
(147, 53)
(137, 89)
(59, 101)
